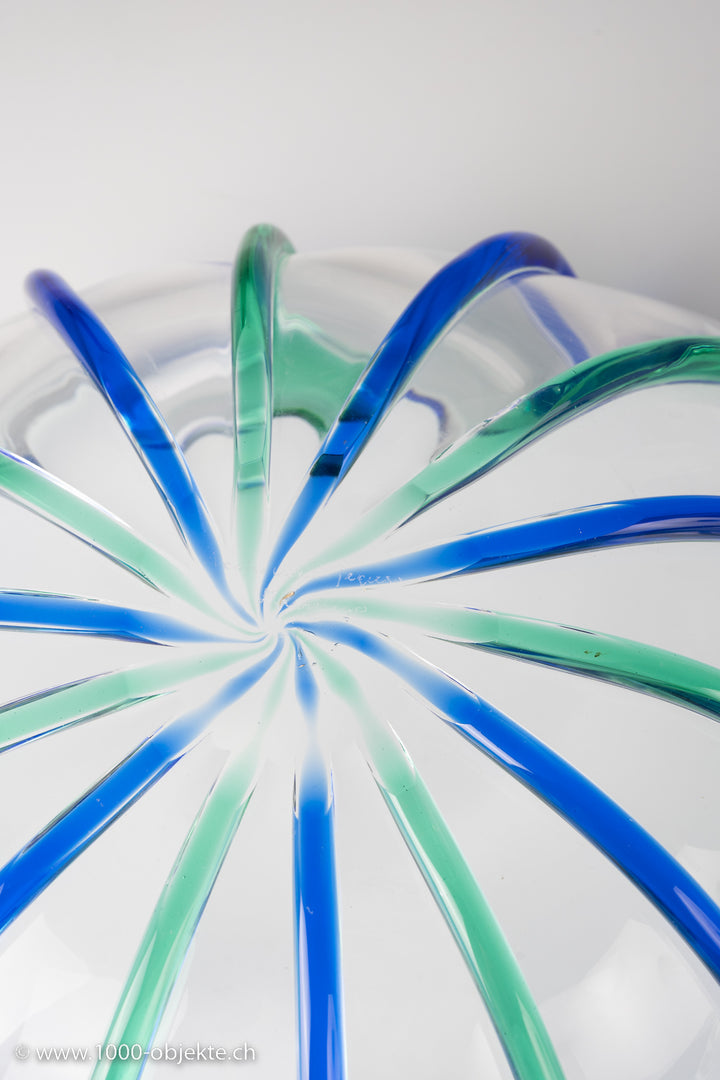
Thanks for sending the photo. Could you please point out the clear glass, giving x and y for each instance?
(298, 758)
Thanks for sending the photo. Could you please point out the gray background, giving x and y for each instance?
(143, 133)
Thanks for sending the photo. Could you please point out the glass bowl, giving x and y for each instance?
(358, 673)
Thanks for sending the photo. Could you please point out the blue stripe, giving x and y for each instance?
(670, 888)
(633, 521)
(321, 1041)
(305, 684)
(552, 321)
(78, 615)
(47, 855)
(422, 322)
(437, 407)
(317, 930)
(129, 399)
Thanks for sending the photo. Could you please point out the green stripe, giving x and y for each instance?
(263, 249)
(612, 659)
(62, 707)
(466, 911)
(178, 911)
(562, 398)
(59, 503)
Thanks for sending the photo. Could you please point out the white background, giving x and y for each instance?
(137, 134)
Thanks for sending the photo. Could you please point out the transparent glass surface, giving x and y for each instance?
(360, 700)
